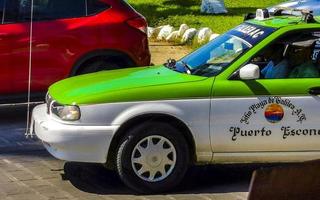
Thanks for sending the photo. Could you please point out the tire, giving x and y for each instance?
(173, 151)
(99, 65)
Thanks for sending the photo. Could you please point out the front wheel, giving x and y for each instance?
(153, 158)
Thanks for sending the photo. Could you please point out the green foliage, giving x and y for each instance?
(176, 12)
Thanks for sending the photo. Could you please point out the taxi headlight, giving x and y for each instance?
(67, 113)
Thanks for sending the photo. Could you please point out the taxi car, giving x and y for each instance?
(249, 96)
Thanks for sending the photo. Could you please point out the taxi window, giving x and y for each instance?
(292, 56)
(216, 56)
(213, 58)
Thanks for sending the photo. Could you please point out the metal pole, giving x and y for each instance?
(30, 72)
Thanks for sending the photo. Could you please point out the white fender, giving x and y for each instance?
(141, 109)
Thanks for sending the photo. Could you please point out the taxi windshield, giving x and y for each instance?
(217, 55)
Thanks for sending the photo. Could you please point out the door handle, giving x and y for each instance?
(314, 91)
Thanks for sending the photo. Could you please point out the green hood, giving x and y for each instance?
(132, 84)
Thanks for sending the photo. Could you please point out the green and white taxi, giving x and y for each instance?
(251, 95)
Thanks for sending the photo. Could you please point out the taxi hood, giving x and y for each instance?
(131, 84)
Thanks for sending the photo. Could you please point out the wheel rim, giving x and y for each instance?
(153, 158)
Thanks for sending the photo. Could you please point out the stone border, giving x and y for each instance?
(184, 35)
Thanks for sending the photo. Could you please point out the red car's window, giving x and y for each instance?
(58, 9)
(1, 10)
(96, 6)
(10, 11)
(13, 11)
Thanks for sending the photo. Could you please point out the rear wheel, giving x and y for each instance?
(153, 158)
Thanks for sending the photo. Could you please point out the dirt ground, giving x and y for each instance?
(162, 51)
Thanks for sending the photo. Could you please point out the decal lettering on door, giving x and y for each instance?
(236, 132)
(274, 113)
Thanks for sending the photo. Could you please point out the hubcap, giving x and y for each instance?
(153, 158)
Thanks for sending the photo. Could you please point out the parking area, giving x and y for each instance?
(27, 171)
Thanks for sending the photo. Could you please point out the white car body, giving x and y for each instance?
(209, 121)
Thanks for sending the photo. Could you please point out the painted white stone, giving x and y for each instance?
(155, 32)
(150, 31)
(213, 36)
(173, 36)
(188, 35)
(213, 6)
(183, 29)
(165, 32)
(204, 35)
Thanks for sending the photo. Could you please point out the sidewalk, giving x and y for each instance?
(36, 175)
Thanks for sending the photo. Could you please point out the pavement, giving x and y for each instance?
(27, 171)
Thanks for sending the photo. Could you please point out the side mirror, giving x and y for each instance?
(249, 72)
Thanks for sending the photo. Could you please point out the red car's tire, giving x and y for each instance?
(99, 65)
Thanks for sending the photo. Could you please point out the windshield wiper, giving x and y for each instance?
(172, 64)
(187, 67)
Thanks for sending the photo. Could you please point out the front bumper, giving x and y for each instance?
(72, 142)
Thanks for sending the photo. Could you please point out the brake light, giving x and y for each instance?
(139, 23)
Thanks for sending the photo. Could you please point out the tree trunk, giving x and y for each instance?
(213, 6)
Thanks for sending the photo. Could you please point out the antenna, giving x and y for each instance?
(29, 128)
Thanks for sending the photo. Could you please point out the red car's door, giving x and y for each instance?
(14, 51)
(18, 41)
(5, 64)
(56, 27)
(49, 58)
(47, 64)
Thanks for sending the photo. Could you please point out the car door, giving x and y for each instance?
(14, 42)
(53, 45)
(266, 115)
(16, 39)
(6, 72)
(55, 29)
(58, 38)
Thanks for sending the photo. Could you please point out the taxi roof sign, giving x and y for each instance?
(262, 14)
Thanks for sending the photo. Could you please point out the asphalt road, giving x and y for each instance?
(27, 171)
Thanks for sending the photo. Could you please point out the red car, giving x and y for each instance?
(70, 37)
